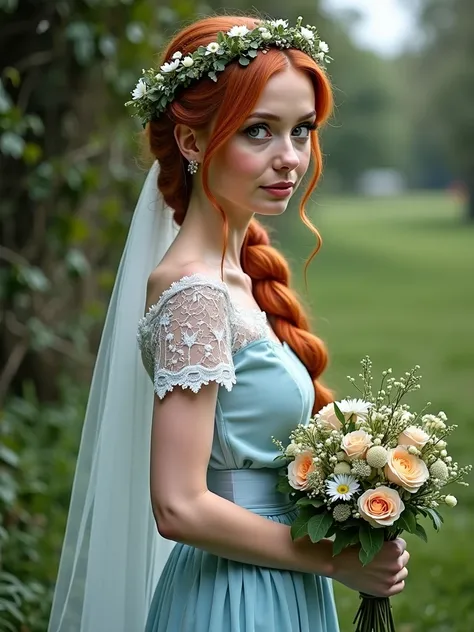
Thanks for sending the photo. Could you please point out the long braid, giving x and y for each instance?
(270, 275)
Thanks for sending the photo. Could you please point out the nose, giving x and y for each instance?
(286, 157)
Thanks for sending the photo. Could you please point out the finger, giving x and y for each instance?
(404, 558)
(400, 542)
(401, 576)
(395, 590)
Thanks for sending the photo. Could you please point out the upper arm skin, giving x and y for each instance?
(181, 442)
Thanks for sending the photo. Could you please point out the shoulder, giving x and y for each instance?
(166, 280)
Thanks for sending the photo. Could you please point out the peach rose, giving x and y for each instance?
(355, 444)
(299, 469)
(381, 507)
(405, 469)
(327, 417)
(413, 436)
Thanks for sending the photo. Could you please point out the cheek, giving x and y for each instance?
(241, 162)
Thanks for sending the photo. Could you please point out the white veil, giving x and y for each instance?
(112, 553)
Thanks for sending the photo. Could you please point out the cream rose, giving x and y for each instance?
(413, 436)
(405, 469)
(327, 417)
(355, 444)
(299, 469)
(381, 507)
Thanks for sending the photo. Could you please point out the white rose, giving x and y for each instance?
(266, 35)
(323, 47)
(328, 418)
(413, 436)
(188, 62)
(355, 444)
(177, 55)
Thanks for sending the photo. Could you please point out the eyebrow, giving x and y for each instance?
(274, 117)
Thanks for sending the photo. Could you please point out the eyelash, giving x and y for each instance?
(309, 126)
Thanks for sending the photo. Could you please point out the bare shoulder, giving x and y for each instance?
(164, 275)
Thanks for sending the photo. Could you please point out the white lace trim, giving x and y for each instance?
(193, 377)
(190, 335)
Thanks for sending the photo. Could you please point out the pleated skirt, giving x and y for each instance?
(200, 592)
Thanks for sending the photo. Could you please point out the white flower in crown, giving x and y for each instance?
(139, 90)
(276, 23)
(307, 34)
(238, 31)
(323, 46)
(212, 48)
(188, 62)
(177, 55)
(159, 77)
(170, 67)
(265, 33)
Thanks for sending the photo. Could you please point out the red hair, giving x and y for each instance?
(230, 101)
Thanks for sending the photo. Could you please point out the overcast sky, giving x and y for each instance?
(386, 24)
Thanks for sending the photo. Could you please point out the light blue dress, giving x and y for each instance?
(193, 335)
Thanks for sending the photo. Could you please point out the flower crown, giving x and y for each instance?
(155, 91)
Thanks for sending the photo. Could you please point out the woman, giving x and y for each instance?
(232, 119)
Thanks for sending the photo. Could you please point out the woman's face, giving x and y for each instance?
(259, 168)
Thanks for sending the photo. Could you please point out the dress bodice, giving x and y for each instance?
(195, 334)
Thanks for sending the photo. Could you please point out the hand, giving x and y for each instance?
(384, 576)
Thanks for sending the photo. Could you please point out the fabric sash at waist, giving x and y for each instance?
(253, 489)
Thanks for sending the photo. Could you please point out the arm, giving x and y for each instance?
(185, 511)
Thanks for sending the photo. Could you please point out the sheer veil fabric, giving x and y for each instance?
(112, 554)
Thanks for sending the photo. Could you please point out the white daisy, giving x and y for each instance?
(213, 47)
(358, 407)
(170, 67)
(276, 23)
(307, 34)
(323, 46)
(140, 90)
(238, 31)
(342, 487)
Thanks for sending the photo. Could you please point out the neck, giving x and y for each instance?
(203, 233)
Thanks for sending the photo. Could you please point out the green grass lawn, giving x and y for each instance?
(395, 280)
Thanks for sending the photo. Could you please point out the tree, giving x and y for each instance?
(445, 75)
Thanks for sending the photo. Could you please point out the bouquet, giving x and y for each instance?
(365, 470)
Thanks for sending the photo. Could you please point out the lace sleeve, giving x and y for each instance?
(189, 340)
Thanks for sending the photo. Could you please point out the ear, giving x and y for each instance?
(191, 143)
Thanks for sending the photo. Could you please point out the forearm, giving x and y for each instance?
(223, 528)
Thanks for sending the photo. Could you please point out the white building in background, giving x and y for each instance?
(381, 182)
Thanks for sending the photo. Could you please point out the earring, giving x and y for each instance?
(193, 167)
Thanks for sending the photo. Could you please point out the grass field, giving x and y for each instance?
(395, 280)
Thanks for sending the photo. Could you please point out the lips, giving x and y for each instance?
(280, 185)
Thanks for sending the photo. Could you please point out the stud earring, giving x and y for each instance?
(193, 167)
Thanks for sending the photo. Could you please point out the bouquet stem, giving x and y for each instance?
(374, 615)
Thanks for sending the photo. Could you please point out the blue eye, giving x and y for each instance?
(308, 127)
(250, 131)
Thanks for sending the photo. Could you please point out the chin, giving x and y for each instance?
(272, 208)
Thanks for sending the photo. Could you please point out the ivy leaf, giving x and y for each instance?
(243, 61)
(318, 526)
(371, 540)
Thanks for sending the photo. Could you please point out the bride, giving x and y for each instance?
(232, 118)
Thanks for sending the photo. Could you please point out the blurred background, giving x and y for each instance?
(394, 278)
